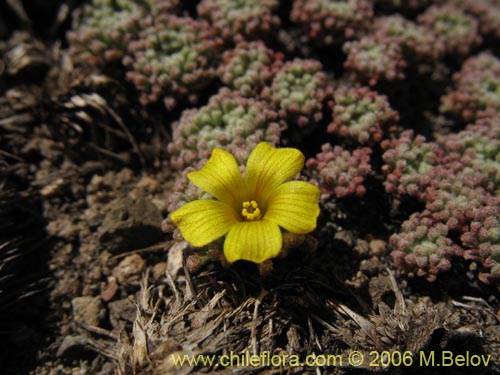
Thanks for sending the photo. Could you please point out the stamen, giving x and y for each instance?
(251, 211)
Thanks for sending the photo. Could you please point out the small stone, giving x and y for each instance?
(159, 270)
(362, 248)
(378, 247)
(63, 228)
(346, 236)
(130, 224)
(107, 369)
(88, 310)
(110, 289)
(130, 269)
(71, 344)
(53, 188)
(122, 310)
(95, 183)
(149, 185)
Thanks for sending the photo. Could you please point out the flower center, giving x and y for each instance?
(251, 211)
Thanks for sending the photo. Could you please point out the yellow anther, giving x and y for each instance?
(251, 211)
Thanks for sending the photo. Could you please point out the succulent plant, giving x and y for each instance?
(239, 20)
(332, 21)
(486, 12)
(477, 88)
(477, 150)
(362, 115)
(163, 6)
(421, 169)
(422, 248)
(403, 5)
(459, 185)
(482, 242)
(249, 67)
(408, 160)
(102, 30)
(418, 43)
(340, 172)
(228, 121)
(453, 209)
(299, 91)
(172, 60)
(457, 30)
(370, 61)
(453, 203)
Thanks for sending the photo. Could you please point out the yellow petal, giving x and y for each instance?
(221, 178)
(268, 167)
(203, 221)
(294, 206)
(255, 241)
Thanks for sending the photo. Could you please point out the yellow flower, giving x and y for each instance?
(250, 210)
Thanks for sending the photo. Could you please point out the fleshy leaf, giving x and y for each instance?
(203, 221)
(256, 241)
(294, 206)
(221, 178)
(268, 167)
